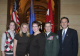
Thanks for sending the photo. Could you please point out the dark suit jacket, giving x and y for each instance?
(70, 45)
(52, 46)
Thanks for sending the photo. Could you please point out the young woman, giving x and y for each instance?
(37, 45)
(7, 40)
(21, 41)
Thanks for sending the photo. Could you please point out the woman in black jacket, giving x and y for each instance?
(37, 45)
(21, 41)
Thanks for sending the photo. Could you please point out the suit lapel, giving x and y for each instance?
(49, 35)
(61, 36)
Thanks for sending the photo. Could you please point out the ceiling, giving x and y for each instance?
(40, 7)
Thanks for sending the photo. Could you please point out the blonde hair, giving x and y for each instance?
(27, 33)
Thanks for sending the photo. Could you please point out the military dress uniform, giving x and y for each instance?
(52, 44)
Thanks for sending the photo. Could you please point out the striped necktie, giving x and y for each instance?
(63, 36)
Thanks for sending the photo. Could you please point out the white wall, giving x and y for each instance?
(3, 18)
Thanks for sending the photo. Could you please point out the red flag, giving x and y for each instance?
(50, 15)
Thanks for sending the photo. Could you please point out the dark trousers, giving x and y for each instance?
(9, 55)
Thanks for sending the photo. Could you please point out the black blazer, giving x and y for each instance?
(70, 45)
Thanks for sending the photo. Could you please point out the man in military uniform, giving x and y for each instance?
(52, 41)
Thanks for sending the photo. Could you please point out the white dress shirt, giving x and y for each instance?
(47, 33)
(64, 30)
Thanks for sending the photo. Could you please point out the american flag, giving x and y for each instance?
(15, 16)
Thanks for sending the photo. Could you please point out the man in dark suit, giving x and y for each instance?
(52, 41)
(68, 39)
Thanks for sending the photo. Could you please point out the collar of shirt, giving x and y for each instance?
(12, 33)
(64, 30)
(47, 33)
